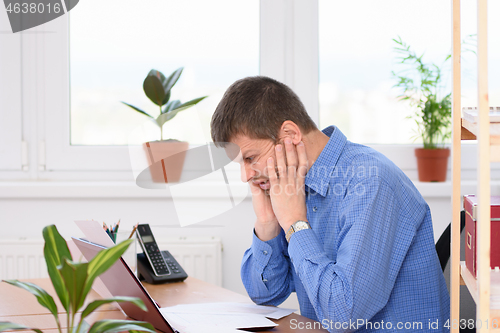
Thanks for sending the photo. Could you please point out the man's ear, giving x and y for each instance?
(290, 130)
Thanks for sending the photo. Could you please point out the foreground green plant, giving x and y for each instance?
(422, 87)
(158, 89)
(72, 282)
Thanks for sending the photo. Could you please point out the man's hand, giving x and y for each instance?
(287, 189)
(266, 226)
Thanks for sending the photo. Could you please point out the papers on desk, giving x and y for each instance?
(230, 308)
(188, 322)
(222, 317)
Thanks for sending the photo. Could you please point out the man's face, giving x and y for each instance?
(253, 159)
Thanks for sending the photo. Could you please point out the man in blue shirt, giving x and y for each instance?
(337, 222)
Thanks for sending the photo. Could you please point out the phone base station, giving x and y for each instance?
(145, 272)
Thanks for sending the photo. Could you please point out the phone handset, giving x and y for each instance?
(151, 250)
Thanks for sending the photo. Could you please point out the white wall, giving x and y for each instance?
(25, 208)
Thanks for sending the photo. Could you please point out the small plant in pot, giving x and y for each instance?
(72, 282)
(422, 87)
(165, 157)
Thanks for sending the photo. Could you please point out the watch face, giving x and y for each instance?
(301, 225)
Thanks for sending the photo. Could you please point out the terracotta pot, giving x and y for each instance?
(432, 164)
(166, 159)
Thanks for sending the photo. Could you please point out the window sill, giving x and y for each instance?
(111, 190)
(215, 190)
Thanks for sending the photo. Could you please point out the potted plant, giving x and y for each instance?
(422, 88)
(72, 282)
(158, 88)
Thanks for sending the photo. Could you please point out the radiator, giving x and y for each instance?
(22, 259)
(200, 257)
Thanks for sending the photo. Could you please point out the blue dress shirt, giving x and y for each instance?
(369, 262)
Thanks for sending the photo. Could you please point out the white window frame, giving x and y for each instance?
(289, 47)
(62, 159)
(13, 157)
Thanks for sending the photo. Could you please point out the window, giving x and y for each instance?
(113, 49)
(62, 82)
(469, 60)
(356, 60)
(109, 62)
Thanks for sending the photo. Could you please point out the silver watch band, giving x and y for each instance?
(297, 226)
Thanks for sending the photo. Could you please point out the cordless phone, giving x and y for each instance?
(153, 265)
(151, 250)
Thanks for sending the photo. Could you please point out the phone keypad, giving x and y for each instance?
(172, 264)
(157, 259)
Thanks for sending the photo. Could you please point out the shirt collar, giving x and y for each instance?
(318, 176)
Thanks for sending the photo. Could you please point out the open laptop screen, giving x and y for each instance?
(121, 281)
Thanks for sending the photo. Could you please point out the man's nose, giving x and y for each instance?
(247, 172)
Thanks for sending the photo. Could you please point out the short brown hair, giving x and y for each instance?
(257, 106)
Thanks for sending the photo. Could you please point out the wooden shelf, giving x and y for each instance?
(471, 283)
(469, 132)
(488, 147)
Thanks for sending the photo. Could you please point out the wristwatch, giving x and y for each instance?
(299, 225)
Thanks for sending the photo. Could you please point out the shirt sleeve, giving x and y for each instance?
(371, 245)
(266, 271)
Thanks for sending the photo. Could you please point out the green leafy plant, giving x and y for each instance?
(158, 89)
(422, 86)
(72, 282)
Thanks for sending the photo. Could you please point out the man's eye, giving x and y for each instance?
(248, 159)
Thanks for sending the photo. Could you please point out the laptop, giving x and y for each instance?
(121, 281)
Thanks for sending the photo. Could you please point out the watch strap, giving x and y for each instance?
(293, 229)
